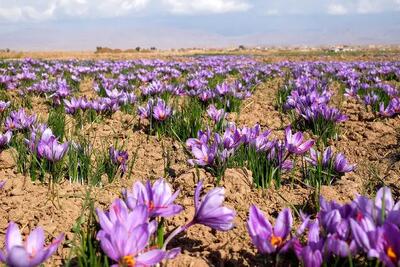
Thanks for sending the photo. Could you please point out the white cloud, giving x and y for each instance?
(272, 12)
(15, 13)
(337, 9)
(29, 10)
(205, 6)
(115, 8)
(34, 10)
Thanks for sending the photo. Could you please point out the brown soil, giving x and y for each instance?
(370, 142)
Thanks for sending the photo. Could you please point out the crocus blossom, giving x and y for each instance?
(29, 253)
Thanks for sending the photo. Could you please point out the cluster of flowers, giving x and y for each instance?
(391, 109)
(363, 227)
(19, 120)
(58, 87)
(326, 167)
(212, 149)
(129, 227)
(111, 103)
(198, 87)
(310, 98)
(364, 81)
(157, 87)
(44, 144)
(327, 160)
(158, 110)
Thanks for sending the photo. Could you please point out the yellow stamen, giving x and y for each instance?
(276, 240)
(391, 254)
(127, 261)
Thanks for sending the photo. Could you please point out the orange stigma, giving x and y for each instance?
(120, 159)
(151, 205)
(276, 240)
(127, 261)
(391, 254)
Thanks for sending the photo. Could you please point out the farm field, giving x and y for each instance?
(200, 160)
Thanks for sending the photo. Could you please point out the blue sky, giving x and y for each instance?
(85, 24)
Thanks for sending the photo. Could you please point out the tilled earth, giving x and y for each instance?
(372, 143)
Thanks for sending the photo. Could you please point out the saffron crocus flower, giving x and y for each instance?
(29, 253)
(266, 238)
(367, 236)
(19, 120)
(119, 158)
(125, 234)
(72, 105)
(315, 157)
(204, 155)
(53, 150)
(129, 247)
(202, 138)
(161, 111)
(2, 183)
(210, 212)
(145, 112)
(383, 208)
(4, 105)
(158, 198)
(5, 139)
(294, 143)
(390, 254)
(341, 165)
(120, 213)
(312, 254)
(232, 137)
(215, 114)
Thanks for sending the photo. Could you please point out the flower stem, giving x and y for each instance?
(177, 231)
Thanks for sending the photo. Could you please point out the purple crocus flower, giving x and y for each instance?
(367, 236)
(204, 155)
(41, 137)
(53, 150)
(125, 234)
(210, 212)
(158, 198)
(4, 105)
(5, 139)
(312, 253)
(202, 138)
(145, 112)
(119, 158)
(120, 213)
(19, 120)
(30, 253)
(341, 165)
(161, 111)
(215, 114)
(294, 143)
(266, 238)
(380, 209)
(128, 247)
(315, 157)
(232, 137)
(222, 89)
(2, 183)
(390, 255)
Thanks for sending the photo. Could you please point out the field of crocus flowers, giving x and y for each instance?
(200, 161)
